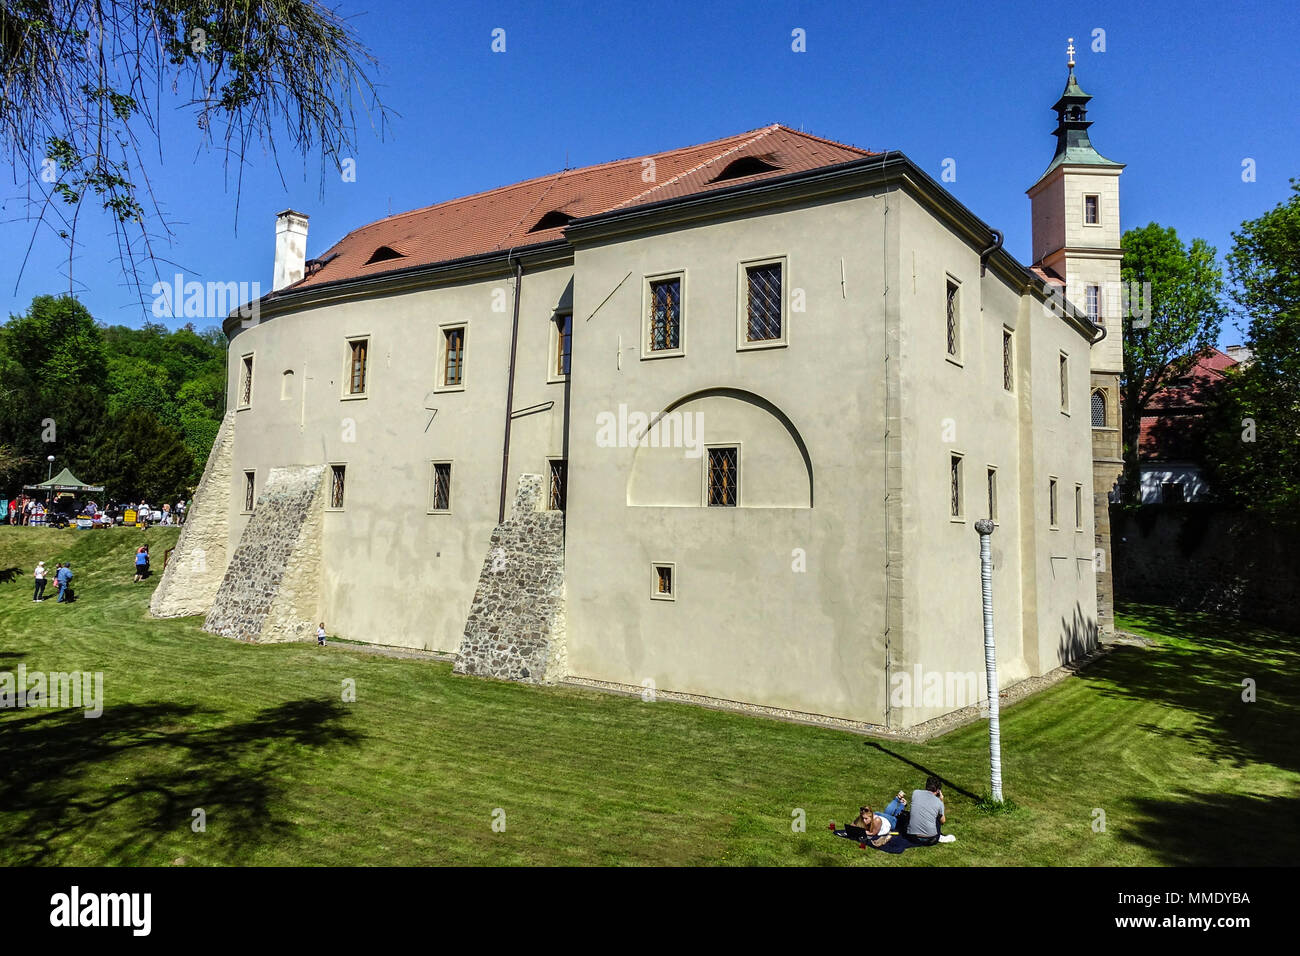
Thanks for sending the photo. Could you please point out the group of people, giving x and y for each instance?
(62, 580)
(922, 824)
(26, 510)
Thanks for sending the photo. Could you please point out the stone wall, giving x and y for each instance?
(1204, 557)
(271, 590)
(198, 564)
(516, 625)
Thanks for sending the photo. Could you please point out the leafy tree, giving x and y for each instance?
(1256, 439)
(137, 457)
(1186, 313)
(84, 85)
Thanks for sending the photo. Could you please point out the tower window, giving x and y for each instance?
(337, 473)
(249, 497)
(993, 494)
(1092, 300)
(1008, 361)
(1051, 502)
(1092, 209)
(1098, 409)
(1078, 507)
(246, 382)
(1065, 382)
(662, 585)
(440, 486)
(559, 483)
(954, 485)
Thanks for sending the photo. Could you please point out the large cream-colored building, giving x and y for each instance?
(768, 385)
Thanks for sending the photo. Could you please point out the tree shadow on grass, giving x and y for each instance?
(1216, 829)
(1205, 680)
(69, 775)
(9, 575)
(923, 772)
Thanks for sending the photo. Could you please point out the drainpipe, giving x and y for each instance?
(992, 247)
(510, 392)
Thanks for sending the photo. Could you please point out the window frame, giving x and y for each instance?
(960, 459)
(551, 462)
(334, 467)
(1078, 507)
(441, 373)
(430, 502)
(1053, 503)
(655, 593)
(553, 373)
(743, 344)
(1063, 371)
(250, 491)
(246, 367)
(1097, 197)
(1008, 360)
(991, 493)
(647, 326)
(350, 342)
(713, 446)
(1105, 408)
(953, 283)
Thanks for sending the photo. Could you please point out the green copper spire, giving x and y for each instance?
(1072, 143)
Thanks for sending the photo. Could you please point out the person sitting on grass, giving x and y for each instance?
(927, 817)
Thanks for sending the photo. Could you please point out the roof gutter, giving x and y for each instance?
(510, 392)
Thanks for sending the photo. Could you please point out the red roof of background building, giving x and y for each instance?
(1170, 427)
(508, 217)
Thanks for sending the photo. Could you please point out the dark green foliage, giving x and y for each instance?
(133, 409)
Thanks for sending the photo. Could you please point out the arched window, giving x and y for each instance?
(1098, 408)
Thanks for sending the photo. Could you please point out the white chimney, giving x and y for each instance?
(290, 249)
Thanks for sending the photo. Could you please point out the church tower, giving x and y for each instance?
(1076, 240)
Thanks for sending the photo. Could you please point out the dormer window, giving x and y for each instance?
(552, 220)
(383, 254)
(745, 166)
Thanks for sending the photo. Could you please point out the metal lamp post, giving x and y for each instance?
(985, 528)
(49, 492)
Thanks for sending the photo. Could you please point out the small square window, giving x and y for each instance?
(453, 357)
(559, 482)
(440, 486)
(663, 587)
(249, 495)
(665, 318)
(724, 477)
(337, 473)
(1051, 502)
(1092, 209)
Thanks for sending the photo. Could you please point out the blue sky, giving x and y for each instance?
(1183, 93)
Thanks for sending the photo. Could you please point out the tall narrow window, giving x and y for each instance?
(1008, 361)
(1051, 502)
(286, 385)
(357, 366)
(336, 485)
(563, 343)
(1065, 382)
(1098, 409)
(666, 314)
(953, 319)
(1078, 507)
(559, 482)
(993, 494)
(724, 476)
(954, 485)
(440, 487)
(763, 302)
(1092, 209)
(1092, 300)
(248, 490)
(453, 370)
(246, 382)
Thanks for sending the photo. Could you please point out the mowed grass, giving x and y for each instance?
(259, 738)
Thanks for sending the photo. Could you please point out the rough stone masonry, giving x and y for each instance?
(516, 625)
(271, 589)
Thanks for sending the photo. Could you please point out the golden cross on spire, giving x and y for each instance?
(1070, 52)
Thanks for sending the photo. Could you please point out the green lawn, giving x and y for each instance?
(287, 773)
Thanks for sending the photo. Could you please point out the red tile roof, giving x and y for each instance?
(1172, 428)
(508, 217)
